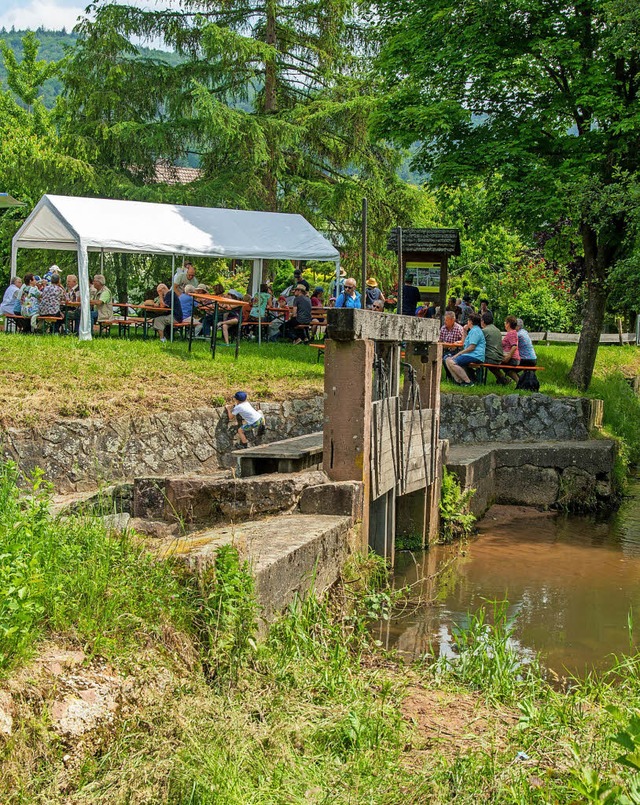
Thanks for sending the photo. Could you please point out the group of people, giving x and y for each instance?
(32, 297)
(480, 341)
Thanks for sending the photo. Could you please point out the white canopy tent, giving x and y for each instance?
(106, 225)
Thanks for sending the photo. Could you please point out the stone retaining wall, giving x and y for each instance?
(77, 454)
(470, 418)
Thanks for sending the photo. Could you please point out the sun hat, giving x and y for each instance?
(203, 287)
(301, 287)
(372, 282)
(241, 396)
(235, 294)
(343, 273)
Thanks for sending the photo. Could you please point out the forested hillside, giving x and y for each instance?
(55, 45)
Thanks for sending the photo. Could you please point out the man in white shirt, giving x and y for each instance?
(11, 295)
(183, 277)
(253, 420)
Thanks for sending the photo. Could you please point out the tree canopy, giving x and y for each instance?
(269, 99)
(541, 99)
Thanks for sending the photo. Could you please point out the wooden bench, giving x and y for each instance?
(49, 320)
(320, 348)
(505, 368)
(13, 318)
(43, 320)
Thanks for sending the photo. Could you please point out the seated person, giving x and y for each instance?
(493, 352)
(301, 316)
(317, 300)
(11, 296)
(207, 306)
(162, 323)
(103, 300)
(51, 299)
(260, 302)
(451, 337)
(30, 302)
(528, 355)
(189, 305)
(473, 351)
(511, 354)
(232, 316)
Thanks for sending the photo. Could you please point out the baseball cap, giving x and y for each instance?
(241, 396)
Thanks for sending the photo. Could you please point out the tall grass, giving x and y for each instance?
(69, 578)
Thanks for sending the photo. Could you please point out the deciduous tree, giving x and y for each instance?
(539, 97)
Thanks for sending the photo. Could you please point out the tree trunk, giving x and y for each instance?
(597, 262)
(271, 104)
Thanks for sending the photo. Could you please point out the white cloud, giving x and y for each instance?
(47, 14)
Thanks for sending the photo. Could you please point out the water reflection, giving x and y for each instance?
(571, 582)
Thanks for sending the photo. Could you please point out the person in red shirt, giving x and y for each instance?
(511, 354)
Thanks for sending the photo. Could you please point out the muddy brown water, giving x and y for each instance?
(571, 583)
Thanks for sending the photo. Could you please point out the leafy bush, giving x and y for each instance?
(455, 519)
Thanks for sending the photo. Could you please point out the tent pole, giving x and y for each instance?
(173, 292)
(337, 290)
(260, 309)
(14, 259)
(84, 331)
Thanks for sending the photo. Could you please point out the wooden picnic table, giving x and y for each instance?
(218, 301)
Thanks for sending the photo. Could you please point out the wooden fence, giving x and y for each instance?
(573, 338)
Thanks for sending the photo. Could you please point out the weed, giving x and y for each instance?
(456, 521)
(226, 622)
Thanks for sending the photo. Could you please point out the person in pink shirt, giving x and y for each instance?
(511, 354)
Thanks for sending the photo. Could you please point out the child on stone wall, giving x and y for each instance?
(253, 419)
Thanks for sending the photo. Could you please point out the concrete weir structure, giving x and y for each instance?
(376, 432)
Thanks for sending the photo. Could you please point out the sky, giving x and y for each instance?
(52, 14)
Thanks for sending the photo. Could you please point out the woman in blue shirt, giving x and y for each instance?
(528, 355)
(472, 352)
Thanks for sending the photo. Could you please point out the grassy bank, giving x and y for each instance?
(47, 376)
(314, 714)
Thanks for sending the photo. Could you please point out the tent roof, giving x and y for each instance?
(62, 222)
(9, 201)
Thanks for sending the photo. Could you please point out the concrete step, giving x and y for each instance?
(288, 555)
(546, 473)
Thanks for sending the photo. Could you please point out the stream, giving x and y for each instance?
(572, 583)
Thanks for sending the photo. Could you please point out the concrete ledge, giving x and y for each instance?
(343, 498)
(351, 324)
(568, 474)
(197, 500)
(289, 555)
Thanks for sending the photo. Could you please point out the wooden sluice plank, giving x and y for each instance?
(417, 429)
(385, 461)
